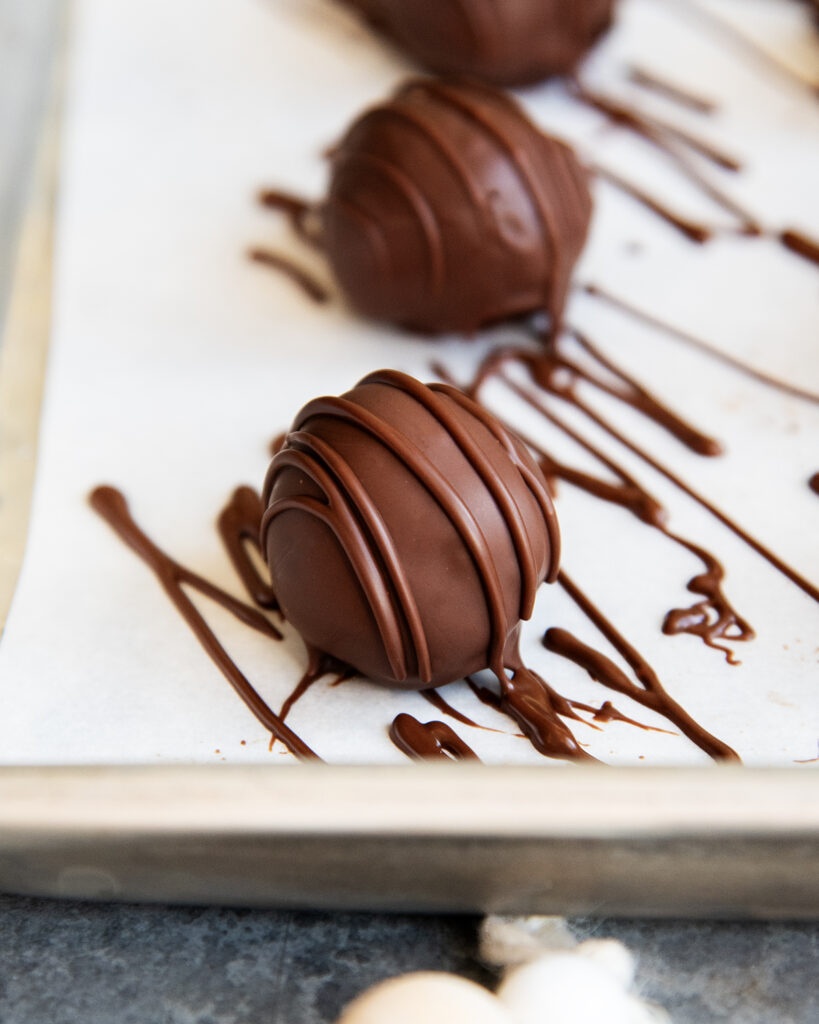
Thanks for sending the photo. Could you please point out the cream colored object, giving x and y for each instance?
(423, 997)
(571, 988)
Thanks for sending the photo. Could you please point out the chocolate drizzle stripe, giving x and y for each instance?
(441, 490)
(421, 210)
(303, 452)
(111, 505)
(308, 284)
(434, 698)
(748, 47)
(433, 740)
(672, 143)
(697, 343)
(692, 230)
(357, 497)
(796, 241)
(670, 90)
(428, 131)
(519, 159)
(652, 694)
(813, 483)
(652, 128)
(238, 525)
(804, 585)
(541, 496)
(639, 397)
(710, 620)
(512, 515)
(297, 211)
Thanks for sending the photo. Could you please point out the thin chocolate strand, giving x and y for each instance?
(713, 619)
(112, 506)
(238, 524)
(298, 212)
(607, 712)
(697, 343)
(438, 702)
(651, 694)
(724, 30)
(670, 90)
(309, 285)
(796, 241)
(433, 740)
(651, 128)
(692, 230)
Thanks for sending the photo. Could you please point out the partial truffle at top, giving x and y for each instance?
(407, 532)
(448, 210)
(505, 42)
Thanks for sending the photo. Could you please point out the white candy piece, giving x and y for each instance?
(424, 997)
(565, 988)
(612, 956)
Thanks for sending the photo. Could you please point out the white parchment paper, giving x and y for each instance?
(174, 361)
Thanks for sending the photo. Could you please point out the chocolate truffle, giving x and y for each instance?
(448, 209)
(407, 532)
(505, 42)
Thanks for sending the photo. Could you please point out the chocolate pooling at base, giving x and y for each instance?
(512, 42)
(430, 741)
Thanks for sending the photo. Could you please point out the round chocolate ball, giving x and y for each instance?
(505, 42)
(448, 209)
(406, 531)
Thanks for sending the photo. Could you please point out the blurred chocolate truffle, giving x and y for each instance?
(407, 532)
(505, 42)
(448, 209)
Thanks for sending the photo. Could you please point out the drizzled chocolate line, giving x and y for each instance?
(308, 284)
(655, 130)
(697, 343)
(813, 483)
(744, 44)
(670, 90)
(712, 619)
(692, 230)
(607, 712)
(433, 740)
(112, 506)
(437, 701)
(651, 694)
(319, 665)
(298, 212)
(238, 526)
(799, 243)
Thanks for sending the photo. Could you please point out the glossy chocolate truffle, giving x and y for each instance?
(406, 531)
(505, 42)
(448, 209)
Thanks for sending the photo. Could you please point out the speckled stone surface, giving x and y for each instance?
(82, 963)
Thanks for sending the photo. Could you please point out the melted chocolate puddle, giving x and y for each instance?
(112, 506)
(435, 740)
(813, 483)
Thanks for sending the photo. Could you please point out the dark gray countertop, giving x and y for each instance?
(64, 962)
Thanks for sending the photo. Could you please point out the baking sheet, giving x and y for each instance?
(174, 361)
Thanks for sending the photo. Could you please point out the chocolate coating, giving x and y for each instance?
(406, 531)
(448, 209)
(505, 42)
